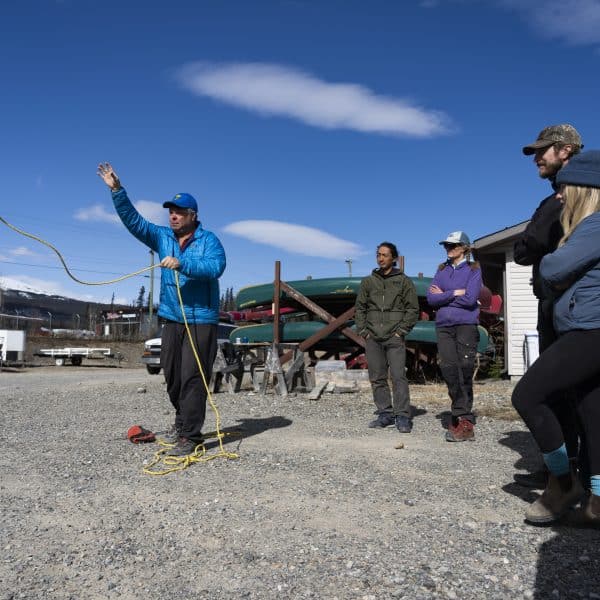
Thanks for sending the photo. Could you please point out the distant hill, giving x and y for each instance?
(34, 304)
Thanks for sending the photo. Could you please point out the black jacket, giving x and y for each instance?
(540, 237)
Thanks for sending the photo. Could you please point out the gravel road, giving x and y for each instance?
(316, 506)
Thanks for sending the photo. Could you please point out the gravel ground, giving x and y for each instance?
(317, 505)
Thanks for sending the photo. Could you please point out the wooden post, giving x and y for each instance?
(275, 307)
(323, 333)
(320, 312)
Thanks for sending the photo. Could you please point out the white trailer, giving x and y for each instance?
(12, 345)
(74, 355)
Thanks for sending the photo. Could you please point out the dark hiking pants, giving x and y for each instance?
(383, 357)
(457, 350)
(185, 385)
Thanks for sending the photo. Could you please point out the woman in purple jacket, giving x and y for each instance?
(454, 293)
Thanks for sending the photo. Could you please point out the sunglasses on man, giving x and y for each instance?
(449, 246)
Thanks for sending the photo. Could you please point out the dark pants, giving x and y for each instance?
(185, 386)
(457, 350)
(570, 363)
(564, 408)
(388, 355)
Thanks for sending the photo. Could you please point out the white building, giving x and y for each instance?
(513, 282)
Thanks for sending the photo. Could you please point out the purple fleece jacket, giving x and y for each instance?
(456, 310)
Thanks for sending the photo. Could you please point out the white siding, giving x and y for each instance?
(520, 313)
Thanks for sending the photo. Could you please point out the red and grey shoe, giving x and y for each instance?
(461, 431)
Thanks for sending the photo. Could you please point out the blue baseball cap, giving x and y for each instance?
(182, 201)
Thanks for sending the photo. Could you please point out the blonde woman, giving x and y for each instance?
(572, 273)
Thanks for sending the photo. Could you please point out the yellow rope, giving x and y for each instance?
(64, 264)
(174, 463)
(178, 463)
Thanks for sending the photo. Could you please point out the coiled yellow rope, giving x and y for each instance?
(178, 463)
(173, 463)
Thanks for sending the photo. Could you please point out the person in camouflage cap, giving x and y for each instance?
(558, 136)
(554, 147)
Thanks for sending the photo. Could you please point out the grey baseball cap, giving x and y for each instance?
(564, 134)
(457, 237)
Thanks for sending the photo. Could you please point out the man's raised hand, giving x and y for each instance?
(106, 172)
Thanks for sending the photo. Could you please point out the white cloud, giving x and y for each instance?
(152, 211)
(296, 239)
(96, 213)
(575, 22)
(572, 21)
(272, 89)
(22, 251)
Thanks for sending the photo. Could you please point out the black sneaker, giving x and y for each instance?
(403, 424)
(184, 447)
(171, 436)
(383, 420)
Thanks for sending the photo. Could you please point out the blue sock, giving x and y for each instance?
(557, 461)
(595, 480)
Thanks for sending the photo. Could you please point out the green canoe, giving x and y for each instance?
(423, 332)
(332, 290)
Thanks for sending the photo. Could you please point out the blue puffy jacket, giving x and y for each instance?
(576, 266)
(202, 263)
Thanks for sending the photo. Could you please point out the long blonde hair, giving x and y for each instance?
(579, 203)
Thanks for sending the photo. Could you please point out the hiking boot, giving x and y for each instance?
(183, 447)
(403, 424)
(462, 431)
(171, 436)
(561, 493)
(591, 513)
(383, 420)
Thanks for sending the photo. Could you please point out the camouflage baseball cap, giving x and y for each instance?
(564, 134)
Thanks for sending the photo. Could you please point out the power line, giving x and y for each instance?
(82, 229)
(8, 262)
(70, 257)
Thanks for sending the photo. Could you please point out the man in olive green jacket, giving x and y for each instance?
(387, 308)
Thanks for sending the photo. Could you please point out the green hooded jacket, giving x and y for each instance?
(386, 306)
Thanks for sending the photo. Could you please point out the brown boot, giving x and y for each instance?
(591, 513)
(561, 493)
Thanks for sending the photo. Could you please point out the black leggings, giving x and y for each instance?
(570, 363)
(565, 411)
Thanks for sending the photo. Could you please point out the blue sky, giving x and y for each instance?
(308, 131)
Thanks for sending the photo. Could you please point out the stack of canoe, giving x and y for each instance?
(335, 295)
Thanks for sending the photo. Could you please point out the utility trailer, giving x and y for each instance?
(75, 355)
(12, 345)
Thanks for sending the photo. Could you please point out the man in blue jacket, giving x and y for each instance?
(199, 260)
